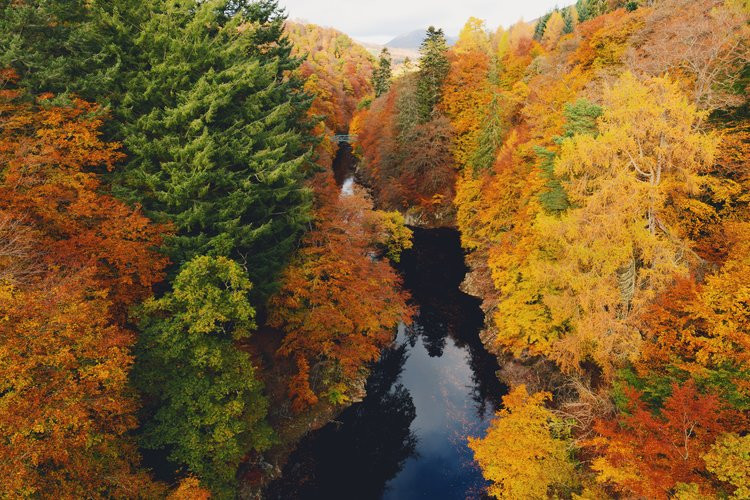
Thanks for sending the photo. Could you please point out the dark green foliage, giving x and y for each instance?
(584, 13)
(655, 388)
(541, 25)
(631, 6)
(203, 403)
(580, 118)
(568, 18)
(214, 129)
(381, 76)
(433, 68)
(656, 385)
(554, 199)
(588, 9)
(216, 134)
(58, 46)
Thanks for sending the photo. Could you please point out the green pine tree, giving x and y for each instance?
(200, 93)
(584, 12)
(433, 68)
(65, 46)
(541, 25)
(217, 136)
(580, 118)
(493, 128)
(567, 15)
(381, 76)
(203, 402)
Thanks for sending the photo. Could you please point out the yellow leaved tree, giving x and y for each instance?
(598, 265)
(520, 454)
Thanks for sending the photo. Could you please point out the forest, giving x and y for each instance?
(186, 292)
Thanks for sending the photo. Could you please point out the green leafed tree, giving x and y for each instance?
(433, 68)
(203, 403)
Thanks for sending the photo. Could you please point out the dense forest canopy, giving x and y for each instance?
(184, 289)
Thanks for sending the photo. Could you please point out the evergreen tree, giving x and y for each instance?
(203, 402)
(56, 46)
(553, 199)
(540, 26)
(493, 128)
(570, 16)
(584, 12)
(580, 118)
(200, 92)
(433, 68)
(588, 9)
(381, 76)
(216, 133)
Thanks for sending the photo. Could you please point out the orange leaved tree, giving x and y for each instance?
(339, 302)
(72, 260)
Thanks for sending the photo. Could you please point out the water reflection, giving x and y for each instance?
(433, 388)
(360, 452)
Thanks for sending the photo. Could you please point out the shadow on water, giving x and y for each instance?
(434, 387)
(360, 452)
(343, 163)
(433, 272)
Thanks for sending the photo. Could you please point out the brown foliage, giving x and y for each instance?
(50, 155)
(705, 42)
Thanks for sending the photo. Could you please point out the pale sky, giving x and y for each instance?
(378, 21)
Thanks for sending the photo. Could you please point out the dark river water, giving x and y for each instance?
(433, 387)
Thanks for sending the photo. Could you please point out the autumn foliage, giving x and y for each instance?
(600, 185)
(595, 162)
(649, 455)
(534, 462)
(337, 74)
(74, 259)
(339, 300)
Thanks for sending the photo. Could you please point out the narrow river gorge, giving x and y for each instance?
(432, 388)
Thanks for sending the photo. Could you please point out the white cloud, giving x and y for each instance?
(380, 20)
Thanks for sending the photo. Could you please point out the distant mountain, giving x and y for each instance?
(413, 40)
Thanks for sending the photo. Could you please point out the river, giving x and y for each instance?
(433, 387)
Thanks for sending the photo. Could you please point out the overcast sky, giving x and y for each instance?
(380, 20)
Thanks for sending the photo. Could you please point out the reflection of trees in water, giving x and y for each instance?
(356, 456)
(459, 317)
(433, 271)
(433, 337)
